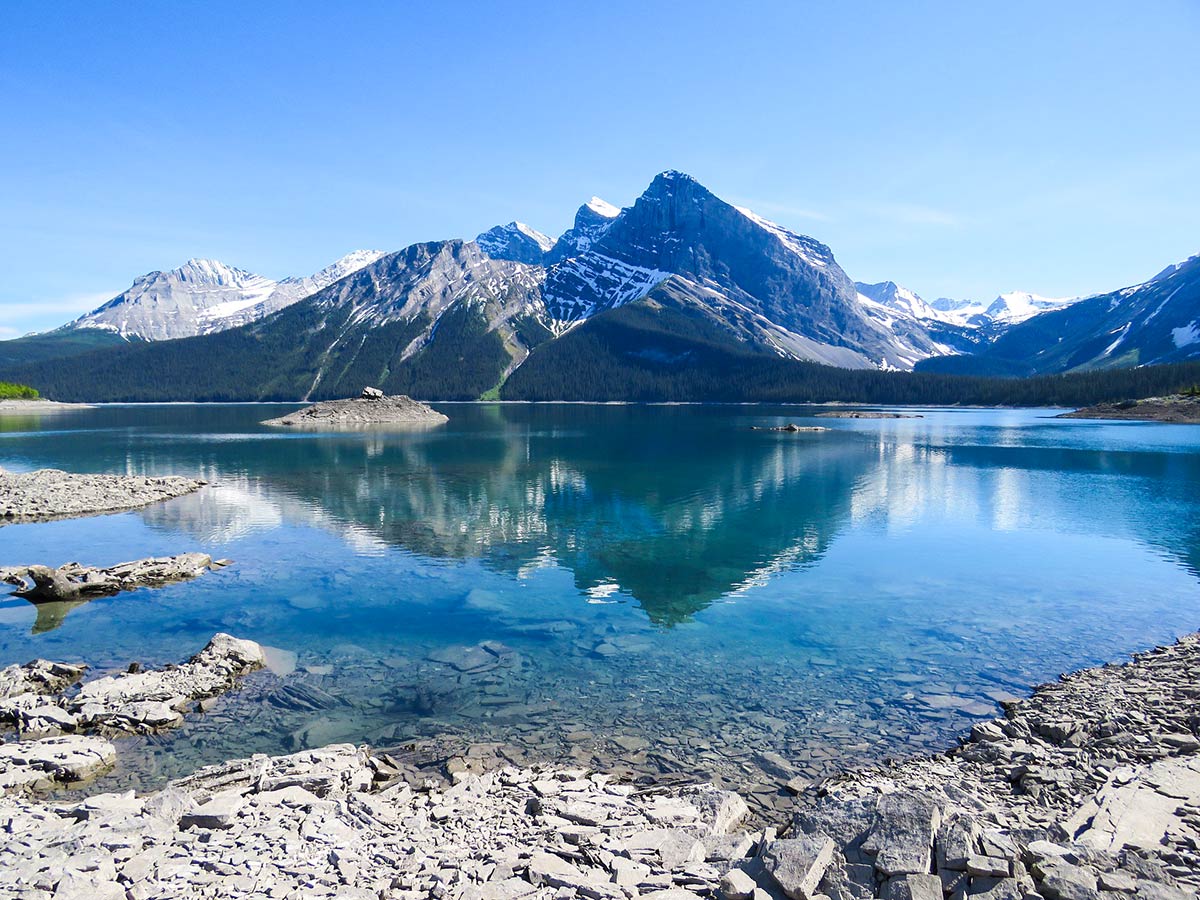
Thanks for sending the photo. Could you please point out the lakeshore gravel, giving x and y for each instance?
(1088, 789)
(47, 494)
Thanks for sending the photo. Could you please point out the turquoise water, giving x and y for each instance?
(665, 575)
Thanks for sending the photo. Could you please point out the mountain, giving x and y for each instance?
(779, 292)
(591, 221)
(515, 241)
(1152, 323)
(204, 296)
(192, 299)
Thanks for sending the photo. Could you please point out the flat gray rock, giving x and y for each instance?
(902, 838)
(798, 864)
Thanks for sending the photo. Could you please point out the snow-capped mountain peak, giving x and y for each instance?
(206, 295)
(602, 208)
(1017, 306)
(899, 298)
(199, 270)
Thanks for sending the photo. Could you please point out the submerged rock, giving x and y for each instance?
(362, 412)
(791, 427)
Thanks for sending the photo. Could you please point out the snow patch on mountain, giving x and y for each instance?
(592, 220)
(575, 291)
(811, 251)
(1187, 335)
(603, 208)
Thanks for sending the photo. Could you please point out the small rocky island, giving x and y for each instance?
(865, 414)
(1177, 409)
(371, 409)
(790, 427)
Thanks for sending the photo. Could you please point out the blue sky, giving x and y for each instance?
(961, 149)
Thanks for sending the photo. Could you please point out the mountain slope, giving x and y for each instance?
(1151, 323)
(434, 320)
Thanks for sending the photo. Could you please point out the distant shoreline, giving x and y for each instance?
(751, 403)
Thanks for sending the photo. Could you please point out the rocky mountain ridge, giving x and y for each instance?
(680, 279)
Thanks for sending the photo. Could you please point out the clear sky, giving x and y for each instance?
(960, 149)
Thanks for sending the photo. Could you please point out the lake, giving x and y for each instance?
(668, 589)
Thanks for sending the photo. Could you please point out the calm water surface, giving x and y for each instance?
(678, 590)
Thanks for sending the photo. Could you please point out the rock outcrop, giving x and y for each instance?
(372, 409)
(134, 702)
(73, 581)
(53, 762)
(53, 494)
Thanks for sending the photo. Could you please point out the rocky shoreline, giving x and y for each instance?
(1088, 789)
(370, 409)
(1179, 409)
(48, 494)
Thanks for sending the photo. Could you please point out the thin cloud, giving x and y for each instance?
(782, 209)
(73, 303)
(18, 317)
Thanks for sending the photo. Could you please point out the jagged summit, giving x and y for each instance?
(515, 241)
(591, 221)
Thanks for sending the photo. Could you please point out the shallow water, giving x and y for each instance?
(667, 576)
